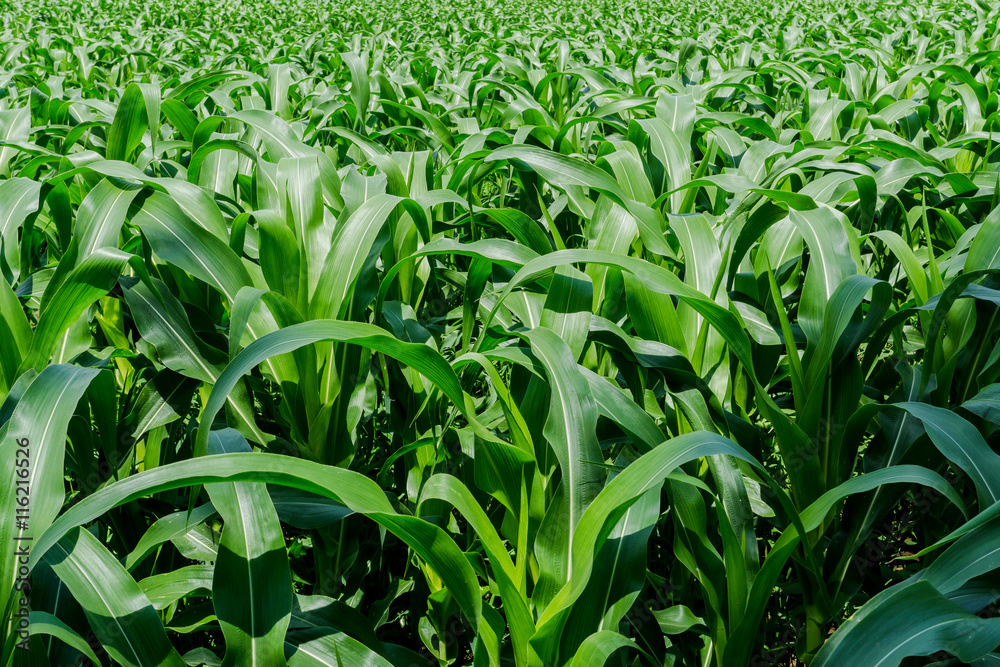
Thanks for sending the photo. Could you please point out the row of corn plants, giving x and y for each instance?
(407, 334)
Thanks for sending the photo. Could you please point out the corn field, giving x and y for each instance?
(414, 334)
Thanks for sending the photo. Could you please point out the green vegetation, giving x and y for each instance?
(441, 333)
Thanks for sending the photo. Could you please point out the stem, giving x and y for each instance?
(828, 429)
(814, 630)
(936, 283)
(975, 360)
(472, 215)
(791, 352)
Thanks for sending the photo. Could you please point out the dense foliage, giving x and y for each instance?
(428, 333)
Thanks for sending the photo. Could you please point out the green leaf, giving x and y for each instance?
(598, 647)
(119, 613)
(33, 455)
(179, 241)
(324, 647)
(18, 200)
(43, 623)
(166, 529)
(252, 583)
(677, 619)
(138, 110)
(908, 620)
(92, 279)
(350, 488)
